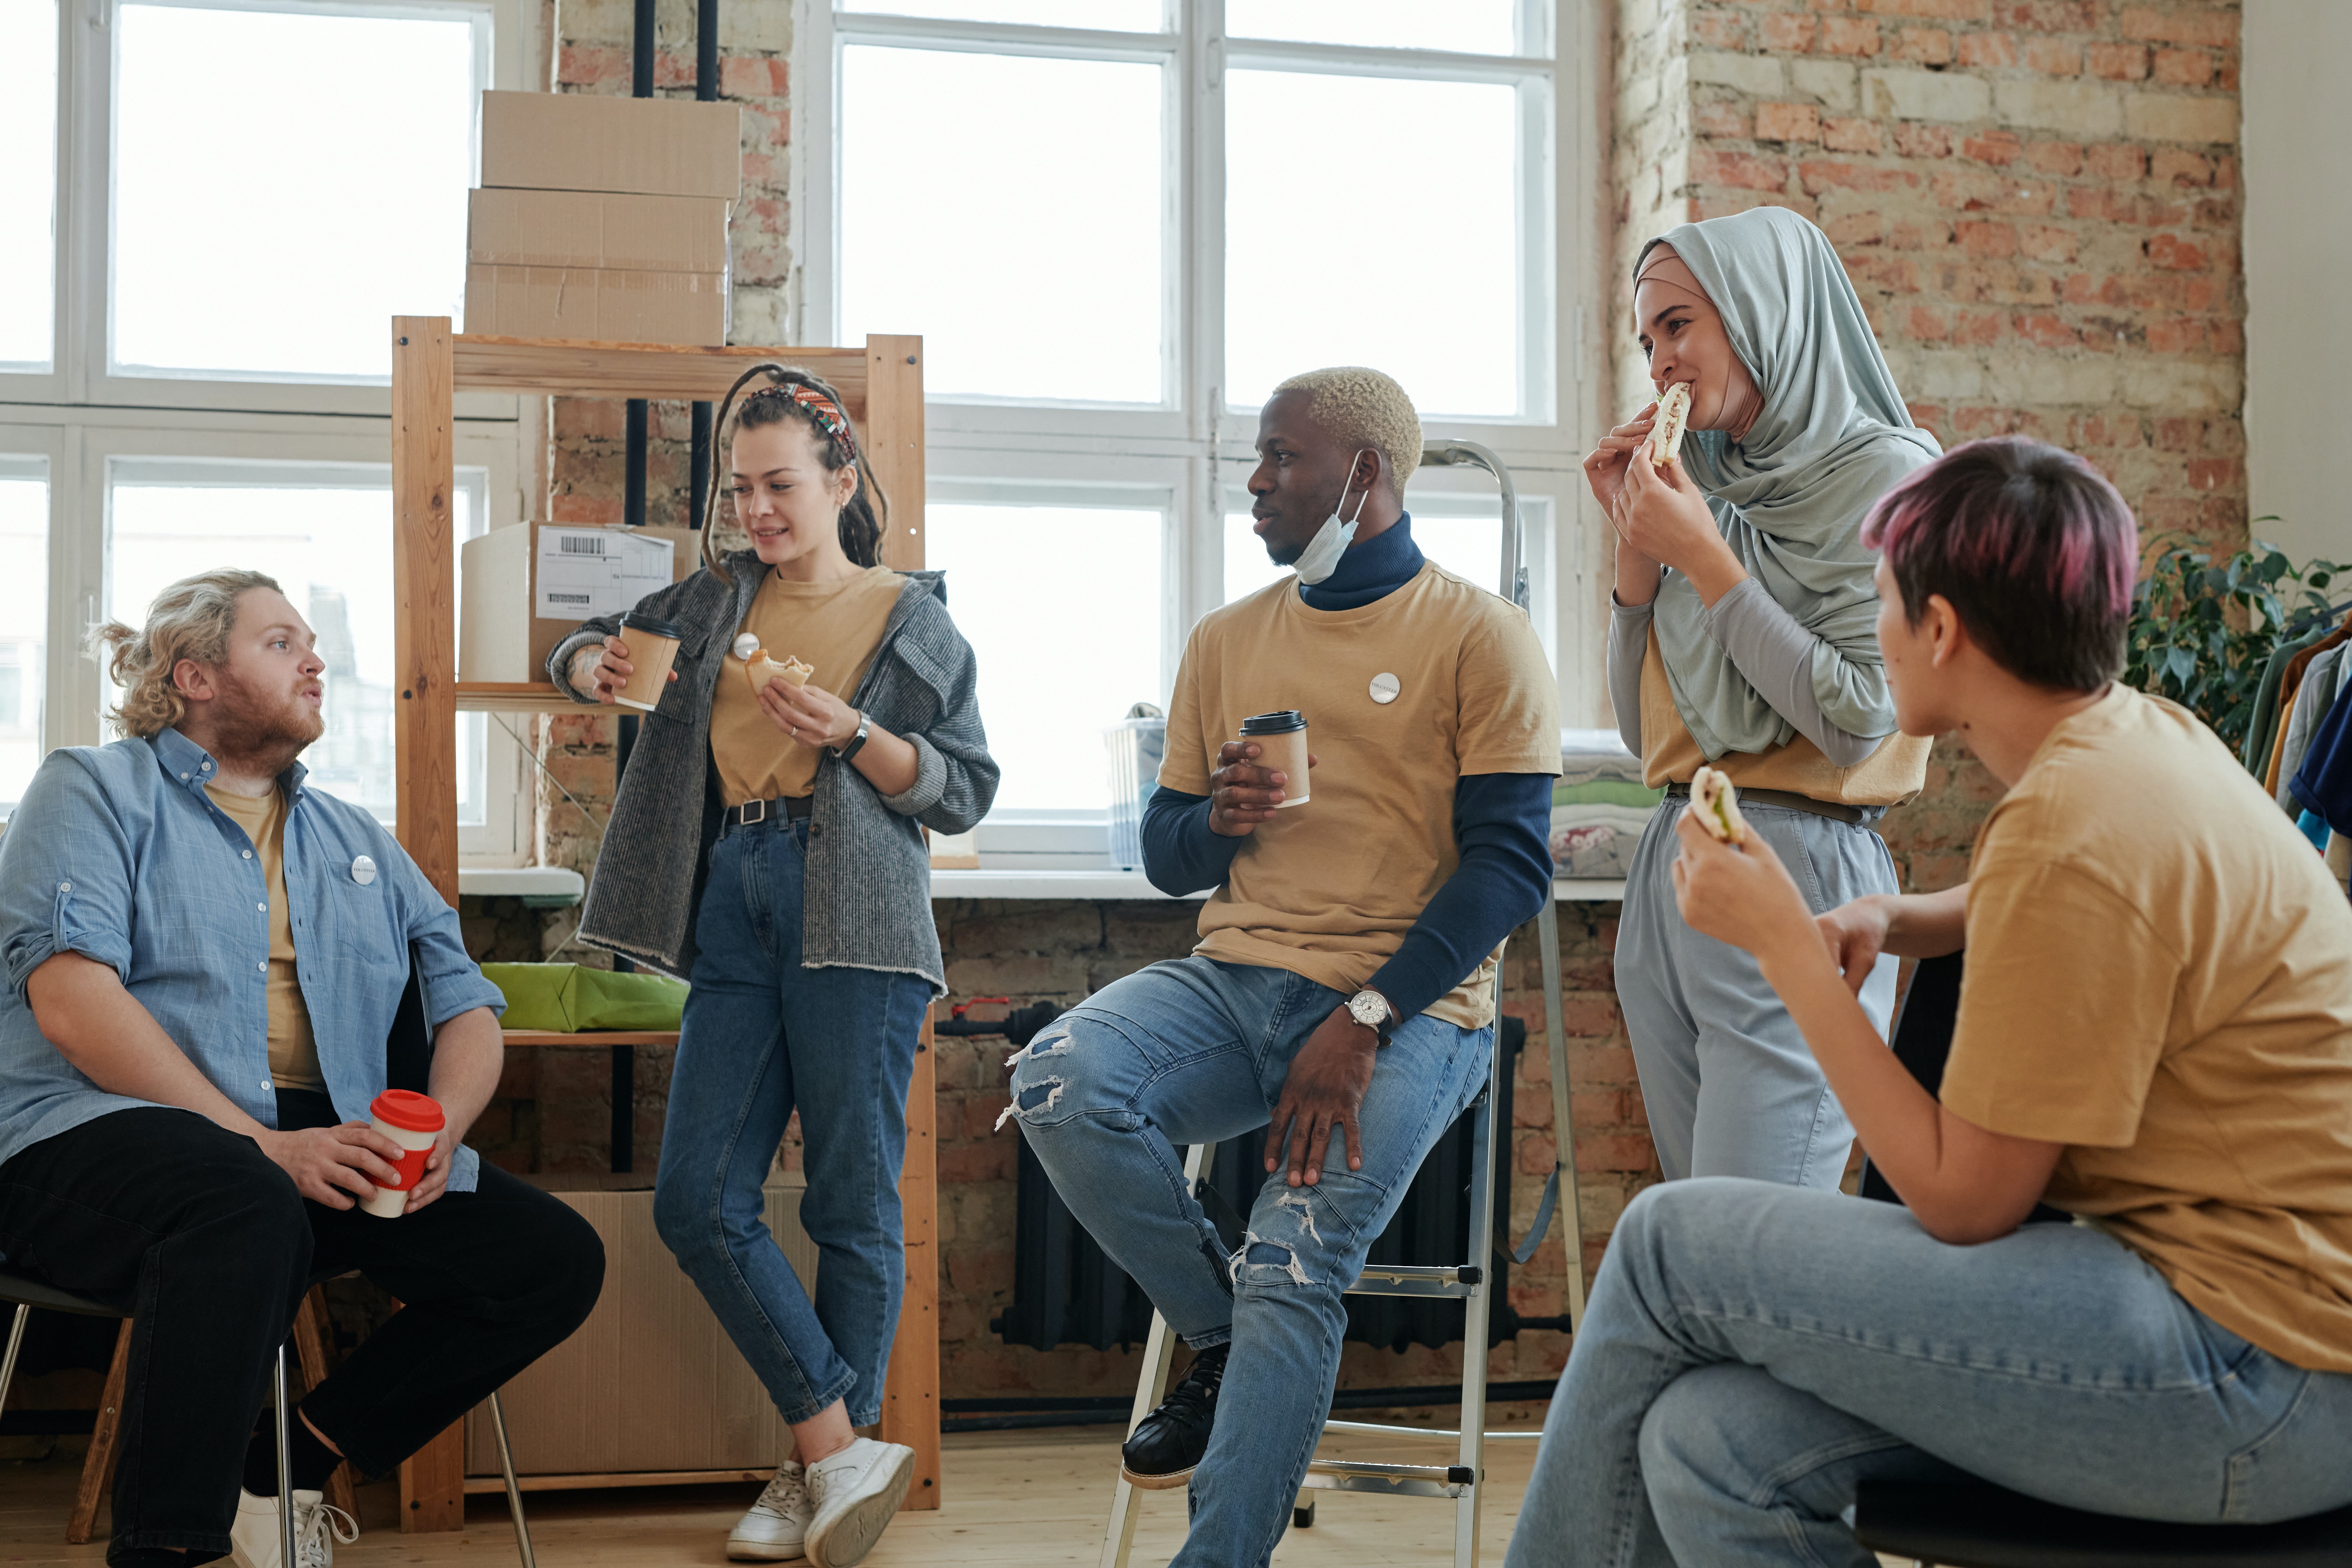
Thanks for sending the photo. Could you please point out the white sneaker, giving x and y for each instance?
(856, 1492)
(776, 1528)
(318, 1524)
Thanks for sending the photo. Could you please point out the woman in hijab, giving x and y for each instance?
(1741, 635)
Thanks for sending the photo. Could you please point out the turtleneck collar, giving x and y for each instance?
(1368, 572)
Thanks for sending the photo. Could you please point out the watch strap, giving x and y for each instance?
(857, 742)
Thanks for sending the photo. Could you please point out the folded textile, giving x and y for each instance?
(1600, 807)
(572, 998)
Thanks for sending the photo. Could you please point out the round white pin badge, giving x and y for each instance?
(363, 870)
(1385, 687)
(746, 644)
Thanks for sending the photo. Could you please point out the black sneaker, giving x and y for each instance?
(1166, 1444)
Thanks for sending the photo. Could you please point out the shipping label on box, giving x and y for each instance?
(598, 229)
(576, 141)
(585, 571)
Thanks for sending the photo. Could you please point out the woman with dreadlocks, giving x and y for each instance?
(765, 846)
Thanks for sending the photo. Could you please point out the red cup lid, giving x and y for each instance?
(408, 1110)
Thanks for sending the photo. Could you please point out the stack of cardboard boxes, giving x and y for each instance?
(603, 218)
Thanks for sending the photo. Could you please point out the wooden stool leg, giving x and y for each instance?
(311, 1349)
(98, 1468)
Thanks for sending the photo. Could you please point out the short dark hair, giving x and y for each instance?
(2030, 544)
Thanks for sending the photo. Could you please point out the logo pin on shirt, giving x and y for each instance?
(363, 870)
(1385, 687)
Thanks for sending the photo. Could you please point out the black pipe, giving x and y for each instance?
(641, 82)
(643, 46)
(705, 89)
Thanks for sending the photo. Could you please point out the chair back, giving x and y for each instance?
(408, 1048)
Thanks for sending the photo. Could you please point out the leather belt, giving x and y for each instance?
(1836, 811)
(784, 807)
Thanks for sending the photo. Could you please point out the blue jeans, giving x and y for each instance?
(1752, 1351)
(1730, 1086)
(762, 1037)
(1195, 1051)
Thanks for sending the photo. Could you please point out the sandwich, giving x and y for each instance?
(1672, 422)
(1718, 806)
(759, 669)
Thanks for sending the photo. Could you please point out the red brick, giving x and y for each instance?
(2048, 15)
(1995, 147)
(2039, 243)
(586, 511)
(1854, 227)
(2229, 338)
(2216, 473)
(2184, 67)
(2225, 172)
(2053, 57)
(1926, 325)
(1821, 175)
(2117, 160)
(2181, 24)
(1915, 139)
(1986, 50)
(1607, 1152)
(584, 65)
(1745, 171)
(1788, 30)
(1722, 121)
(1958, 10)
(2047, 332)
(2175, 334)
(1842, 134)
(1896, 274)
(1977, 328)
(746, 77)
(2175, 166)
(1928, 45)
(2118, 62)
(2056, 157)
(1719, 29)
(1788, 122)
(1848, 36)
(1987, 239)
(2175, 254)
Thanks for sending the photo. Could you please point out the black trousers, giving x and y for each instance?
(207, 1244)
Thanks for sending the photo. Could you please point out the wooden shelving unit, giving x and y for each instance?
(882, 383)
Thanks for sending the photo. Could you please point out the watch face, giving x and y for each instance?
(1366, 1010)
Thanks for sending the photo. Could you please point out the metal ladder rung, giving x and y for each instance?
(1385, 1429)
(1461, 1281)
(1392, 1479)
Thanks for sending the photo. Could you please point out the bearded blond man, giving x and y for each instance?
(204, 956)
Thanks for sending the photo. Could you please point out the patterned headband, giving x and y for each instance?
(822, 410)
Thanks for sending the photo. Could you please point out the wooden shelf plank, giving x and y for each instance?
(591, 1038)
(568, 368)
(513, 697)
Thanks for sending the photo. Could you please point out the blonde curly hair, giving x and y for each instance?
(1364, 408)
(189, 619)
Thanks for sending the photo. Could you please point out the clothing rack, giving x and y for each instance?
(882, 385)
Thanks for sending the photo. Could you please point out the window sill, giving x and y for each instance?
(541, 887)
(1086, 885)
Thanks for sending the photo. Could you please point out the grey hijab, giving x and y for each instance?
(1832, 437)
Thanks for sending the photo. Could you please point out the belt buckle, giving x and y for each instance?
(748, 820)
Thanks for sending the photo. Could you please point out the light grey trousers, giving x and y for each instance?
(1731, 1087)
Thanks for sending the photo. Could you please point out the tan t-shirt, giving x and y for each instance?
(1670, 754)
(834, 626)
(1328, 889)
(2159, 976)
(293, 1052)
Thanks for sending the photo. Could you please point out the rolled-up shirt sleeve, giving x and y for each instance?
(65, 874)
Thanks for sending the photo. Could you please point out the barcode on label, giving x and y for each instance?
(567, 598)
(580, 545)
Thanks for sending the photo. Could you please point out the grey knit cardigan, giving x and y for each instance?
(867, 903)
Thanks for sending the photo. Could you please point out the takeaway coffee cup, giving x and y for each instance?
(1282, 748)
(414, 1121)
(653, 647)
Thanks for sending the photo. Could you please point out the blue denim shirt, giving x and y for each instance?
(116, 853)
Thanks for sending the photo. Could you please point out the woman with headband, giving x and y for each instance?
(1742, 636)
(767, 845)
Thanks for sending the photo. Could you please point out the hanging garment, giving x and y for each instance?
(2324, 782)
(2312, 698)
(2271, 699)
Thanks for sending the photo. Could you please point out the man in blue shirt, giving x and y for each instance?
(205, 958)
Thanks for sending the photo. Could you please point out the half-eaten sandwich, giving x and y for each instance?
(759, 669)
(1672, 420)
(1718, 806)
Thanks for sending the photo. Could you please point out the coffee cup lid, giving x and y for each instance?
(407, 1108)
(637, 623)
(1280, 723)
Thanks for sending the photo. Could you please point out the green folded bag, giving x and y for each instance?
(572, 998)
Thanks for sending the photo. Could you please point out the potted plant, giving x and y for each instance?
(2202, 630)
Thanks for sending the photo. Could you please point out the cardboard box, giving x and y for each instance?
(599, 304)
(650, 1381)
(501, 633)
(598, 229)
(572, 141)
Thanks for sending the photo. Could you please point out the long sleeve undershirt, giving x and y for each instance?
(1501, 828)
(1764, 643)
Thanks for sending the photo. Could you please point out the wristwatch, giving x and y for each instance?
(857, 742)
(1371, 1009)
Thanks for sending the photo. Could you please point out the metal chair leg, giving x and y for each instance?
(15, 1341)
(1475, 1312)
(279, 1415)
(1158, 1352)
(514, 1491)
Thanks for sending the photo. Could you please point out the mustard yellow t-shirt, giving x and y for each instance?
(834, 626)
(1328, 889)
(2159, 976)
(1670, 754)
(293, 1052)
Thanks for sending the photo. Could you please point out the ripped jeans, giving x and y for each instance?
(1192, 1051)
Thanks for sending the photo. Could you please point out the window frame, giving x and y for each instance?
(1563, 48)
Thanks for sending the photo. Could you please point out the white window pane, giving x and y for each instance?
(1060, 606)
(1468, 545)
(24, 621)
(303, 177)
(1009, 210)
(1117, 16)
(28, 168)
(1465, 27)
(1315, 277)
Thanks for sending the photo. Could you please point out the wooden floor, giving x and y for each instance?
(1024, 1498)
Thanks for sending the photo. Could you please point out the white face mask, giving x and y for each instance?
(1321, 556)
